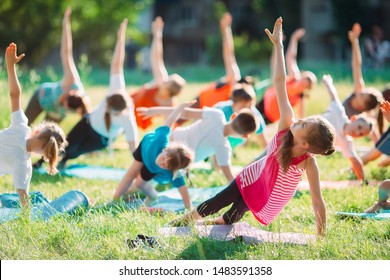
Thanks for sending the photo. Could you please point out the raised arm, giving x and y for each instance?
(176, 112)
(353, 36)
(70, 71)
(13, 82)
(316, 195)
(232, 71)
(160, 73)
(328, 82)
(291, 54)
(118, 57)
(357, 167)
(188, 113)
(279, 77)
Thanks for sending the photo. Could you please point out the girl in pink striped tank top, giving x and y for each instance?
(267, 185)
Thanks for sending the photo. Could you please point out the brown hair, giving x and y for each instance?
(245, 122)
(180, 156)
(243, 92)
(54, 141)
(77, 102)
(320, 140)
(175, 84)
(374, 101)
(115, 102)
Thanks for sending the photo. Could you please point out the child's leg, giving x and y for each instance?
(383, 196)
(230, 194)
(82, 139)
(33, 108)
(128, 179)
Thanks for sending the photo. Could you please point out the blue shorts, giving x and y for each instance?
(383, 144)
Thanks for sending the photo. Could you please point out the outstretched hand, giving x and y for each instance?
(385, 109)
(226, 21)
(327, 79)
(157, 25)
(122, 27)
(298, 34)
(11, 55)
(277, 35)
(144, 112)
(354, 33)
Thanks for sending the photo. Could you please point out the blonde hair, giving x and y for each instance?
(54, 142)
(175, 84)
(320, 139)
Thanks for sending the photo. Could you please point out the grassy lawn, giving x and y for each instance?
(97, 234)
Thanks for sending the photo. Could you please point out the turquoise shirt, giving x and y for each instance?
(227, 109)
(153, 144)
(49, 98)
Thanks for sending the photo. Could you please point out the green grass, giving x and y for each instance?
(101, 234)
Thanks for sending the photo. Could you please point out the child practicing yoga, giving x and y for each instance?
(383, 196)
(18, 141)
(113, 116)
(57, 98)
(382, 146)
(346, 129)
(159, 159)
(267, 185)
(164, 88)
(363, 99)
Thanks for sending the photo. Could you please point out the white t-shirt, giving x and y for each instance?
(338, 118)
(205, 137)
(123, 123)
(14, 158)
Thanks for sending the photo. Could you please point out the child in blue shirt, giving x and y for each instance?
(156, 158)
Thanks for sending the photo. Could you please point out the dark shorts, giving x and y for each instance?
(383, 144)
(145, 173)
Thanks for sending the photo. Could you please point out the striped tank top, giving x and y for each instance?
(264, 186)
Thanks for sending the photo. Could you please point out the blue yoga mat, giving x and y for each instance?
(67, 203)
(170, 200)
(11, 200)
(376, 216)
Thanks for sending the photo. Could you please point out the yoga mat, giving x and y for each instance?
(67, 203)
(384, 214)
(94, 172)
(248, 234)
(11, 200)
(170, 200)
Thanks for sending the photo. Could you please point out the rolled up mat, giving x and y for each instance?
(67, 203)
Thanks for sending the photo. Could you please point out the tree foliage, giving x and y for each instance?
(35, 25)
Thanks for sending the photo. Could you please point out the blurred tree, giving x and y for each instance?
(35, 25)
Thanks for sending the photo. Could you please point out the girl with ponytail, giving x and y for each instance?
(17, 142)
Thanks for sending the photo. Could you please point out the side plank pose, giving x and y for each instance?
(363, 99)
(346, 129)
(267, 185)
(164, 88)
(17, 142)
(56, 98)
(159, 159)
(113, 116)
(382, 146)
